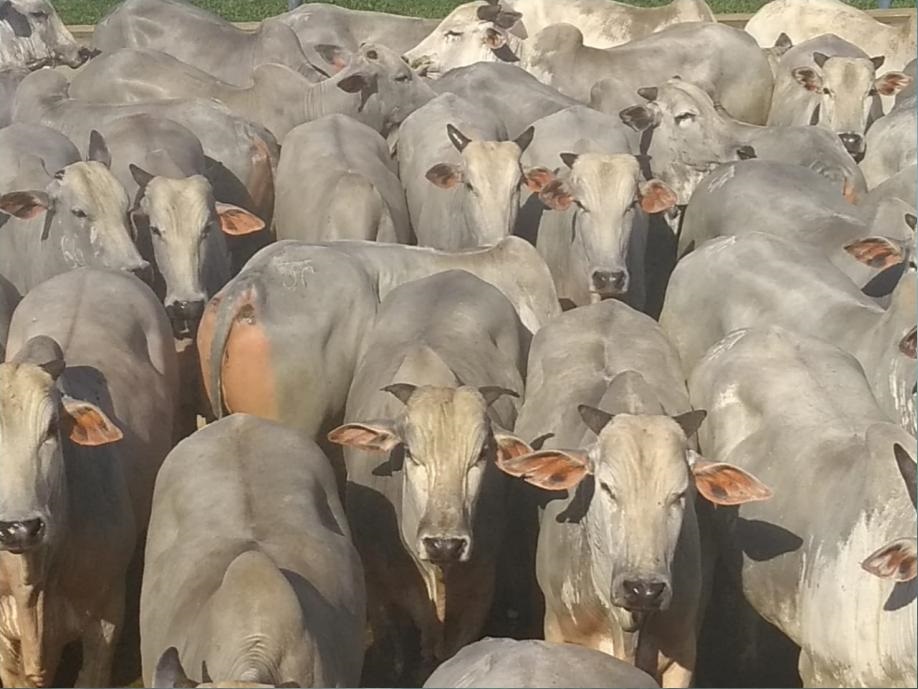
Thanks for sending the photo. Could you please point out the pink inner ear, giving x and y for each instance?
(548, 469)
(896, 561)
(538, 178)
(237, 221)
(656, 197)
(556, 196)
(22, 204)
(444, 175)
(808, 78)
(891, 83)
(725, 484)
(364, 437)
(494, 39)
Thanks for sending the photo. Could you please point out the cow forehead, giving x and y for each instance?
(25, 390)
(848, 71)
(637, 447)
(93, 184)
(613, 175)
(436, 412)
(183, 203)
(484, 155)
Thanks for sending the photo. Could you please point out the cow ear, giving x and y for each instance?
(656, 197)
(908, 471)
(569, 159)
(820, 59)
(885, 281)
(510, 447)
(25, 204)
(372, 436)
(524, 139)
(897, 560)
(556, 195)
(595, 419)
(236, 221)
(907, 345)
(86, 424)
(548, 469)
(690, 421)
(537, 178)
(782, 44)
(497, 42)
(358, 83)
(876, 252)
(141, 176)
(808, 78)
(492, 393)
(878, 61)
(638, 117)
(334, 55)
(444, 175)
(891, 83)
(725, 484)
(98, 149)
(169, 671)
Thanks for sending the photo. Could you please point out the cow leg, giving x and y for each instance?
(11, 674)
(99, 640)
(677, 675)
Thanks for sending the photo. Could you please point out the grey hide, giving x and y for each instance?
(424, 425)
(54, 222)
(201, 38)
(532, 663)
(836, 542)
(833, 84)
(244, 154)
(461, 176)
(320, 24)
(791, 202)
(901, 185)
(738, 282)
(80, 450)
(603, 390)
(29, 152)
(726, 58)
(686, 119)
(892, 143)
(593, 232)
(516, 97)
(335, 180)
(9, 82)
(512, 265)
(263, 585)
(32, 35)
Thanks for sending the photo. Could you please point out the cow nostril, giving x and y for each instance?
(444, 549)
(644, 593)
(609, 280)
(21, 535)
(745, 153)
(852, 142)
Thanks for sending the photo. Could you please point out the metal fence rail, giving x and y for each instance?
(83, 32)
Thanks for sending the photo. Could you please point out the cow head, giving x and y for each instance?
(186, 227)
(448, 449)
(491, 173)
(375, 70)
(688, 134)
(640, 471)
(474, 32)
(170, 673)
(608, 198)
(84, 208)
(37, 420)
(41, 35)
(898, 560)
(845, 94)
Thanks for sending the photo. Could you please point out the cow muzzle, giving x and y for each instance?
(642, 592)
(610, 283)
(445, 550)
(185, 317)
(854, 144)
(20, 536)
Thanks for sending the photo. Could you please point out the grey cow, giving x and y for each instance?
(836, 543)
(532, 663)
(685, 125)
(80, 451)
(244, 154)
(28, 152)
(32, 35)
(423, 427)
(319, 23)
(335, 180)
(725, 58)
(462, 177)
(10, 77)
(892, 143)
(201, 38)
(757, 279)
(263, 586)
(618, 554)
(792, 202)
(76, 216)
(594, 241)
(831, 83)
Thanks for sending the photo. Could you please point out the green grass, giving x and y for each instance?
(90, 11)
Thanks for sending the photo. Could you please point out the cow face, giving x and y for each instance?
(40, 33)
(641, 475)
(186, 228)
(492, 176)
(35, 421)
(170, 673)
(898, 560)
(845, 94)
(378, 71)
(449, 449)
(84, 208)
(689, 136)
(474, 32)
(608, 200)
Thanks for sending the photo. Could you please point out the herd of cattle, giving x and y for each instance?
(584, 327)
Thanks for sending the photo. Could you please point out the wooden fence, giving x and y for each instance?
(83, 32)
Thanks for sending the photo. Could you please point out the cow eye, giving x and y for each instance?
(872, 92)
(52, 429)
(38, 14)
(677, 498)
(402, 78)
(155, 230)
(580, 204)
(826, 90)
(685, 117)
(81, 214)
(607, 490)
(453, 34)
